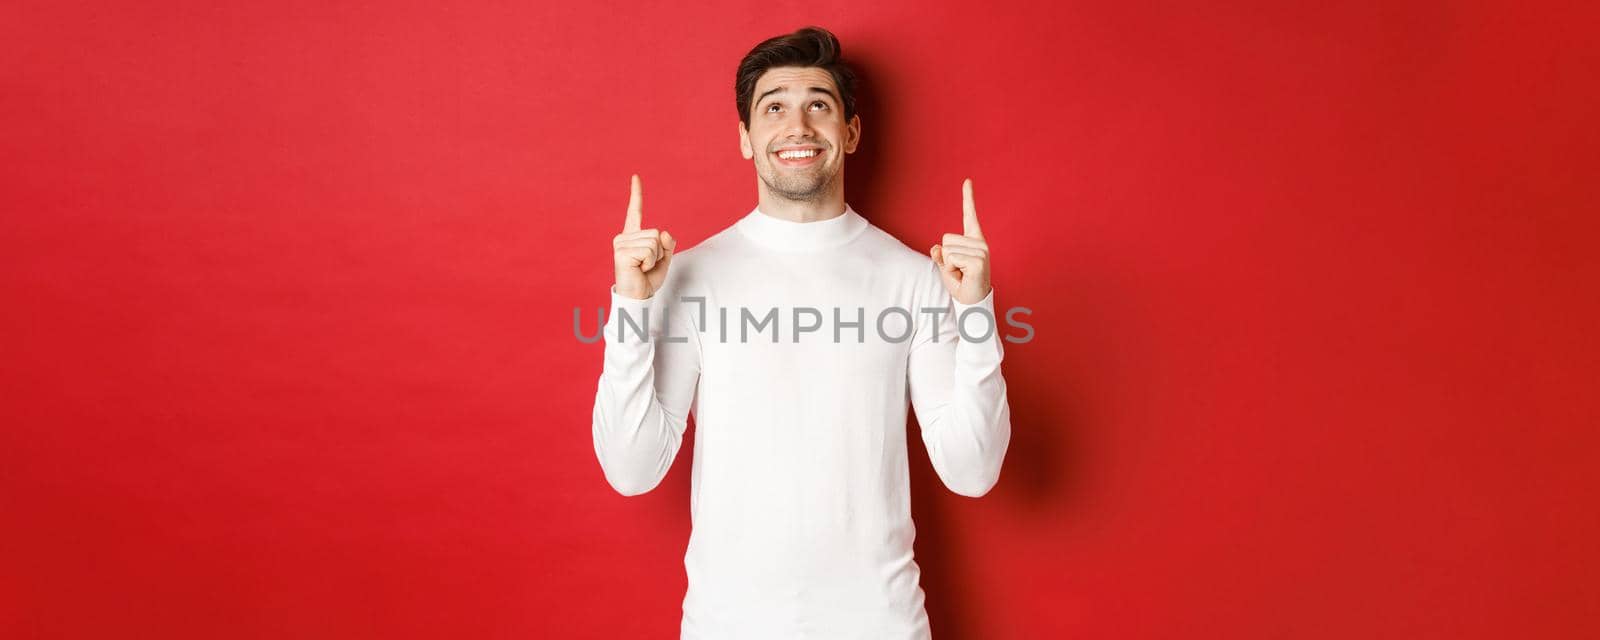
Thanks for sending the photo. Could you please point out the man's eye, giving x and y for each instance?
(824, 104)
(772, 106)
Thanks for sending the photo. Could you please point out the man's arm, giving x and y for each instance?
(959, 395)
(652, 360)
(956, 387)
(641, 407)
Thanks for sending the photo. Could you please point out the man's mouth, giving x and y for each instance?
(798, 157)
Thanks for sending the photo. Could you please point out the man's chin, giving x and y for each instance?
(792, 188)
(799, 192)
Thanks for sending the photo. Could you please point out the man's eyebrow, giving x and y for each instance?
(822, 90)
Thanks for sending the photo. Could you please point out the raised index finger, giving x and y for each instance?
(635, 207)
(969, 212)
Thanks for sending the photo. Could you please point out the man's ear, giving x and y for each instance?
(853, 134)
(744, 143)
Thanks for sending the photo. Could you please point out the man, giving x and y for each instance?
(799, 491)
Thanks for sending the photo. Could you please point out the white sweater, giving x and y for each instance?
(799, 495)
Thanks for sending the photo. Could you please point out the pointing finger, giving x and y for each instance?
(969, 211)
(635, 207)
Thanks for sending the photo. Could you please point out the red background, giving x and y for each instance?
(287, 332)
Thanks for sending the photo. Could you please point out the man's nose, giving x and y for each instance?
(798, 122)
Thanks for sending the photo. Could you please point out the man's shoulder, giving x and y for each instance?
(703, 259)
(893, 252)
(716, 246)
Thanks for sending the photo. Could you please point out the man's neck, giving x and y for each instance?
(828, 207)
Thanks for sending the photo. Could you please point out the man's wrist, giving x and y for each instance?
(628, 293)
(986, 302)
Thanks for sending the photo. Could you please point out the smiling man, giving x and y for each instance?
(799, 493)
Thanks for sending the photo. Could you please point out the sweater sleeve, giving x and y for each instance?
(958, 392)
(646, 389)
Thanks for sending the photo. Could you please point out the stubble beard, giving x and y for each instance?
(805, 186)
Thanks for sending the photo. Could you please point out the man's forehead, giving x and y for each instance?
(795, 79)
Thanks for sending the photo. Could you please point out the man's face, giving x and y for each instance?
(798, 109)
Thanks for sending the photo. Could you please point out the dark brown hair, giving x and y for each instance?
(806, 47)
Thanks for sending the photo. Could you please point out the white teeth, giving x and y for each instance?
(788, 155)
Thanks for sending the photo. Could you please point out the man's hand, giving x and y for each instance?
(640, 256)
(964, 259)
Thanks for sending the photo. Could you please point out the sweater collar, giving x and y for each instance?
(784, 235)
